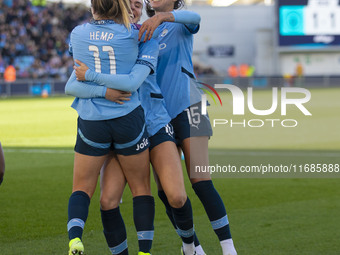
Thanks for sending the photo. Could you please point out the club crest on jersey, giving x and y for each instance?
(164, 32)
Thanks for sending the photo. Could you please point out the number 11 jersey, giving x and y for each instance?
(106, 47)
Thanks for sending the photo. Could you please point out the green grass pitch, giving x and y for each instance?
(267, 215)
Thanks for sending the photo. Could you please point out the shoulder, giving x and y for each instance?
(79, 29)
(176, 28)
(172, 25)
(152, 43)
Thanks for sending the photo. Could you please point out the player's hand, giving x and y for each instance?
(80, 70)
(117, 96)
(149, 26)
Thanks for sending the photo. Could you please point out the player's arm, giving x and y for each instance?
(84, 90)
(2, 164)
(127, 82)
(190, 19)
(146, 63)
(76, 88)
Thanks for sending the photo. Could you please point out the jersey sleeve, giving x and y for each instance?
(125, 82)
(82, 89)
(191, 20)
(148, 54)
(70, 49)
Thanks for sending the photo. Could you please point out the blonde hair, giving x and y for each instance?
(119, 10)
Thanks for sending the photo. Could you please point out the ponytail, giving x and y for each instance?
(126, 12)
(118, 10)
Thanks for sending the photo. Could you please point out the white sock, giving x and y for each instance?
(228, 247)
(189, 248)
(199, 250)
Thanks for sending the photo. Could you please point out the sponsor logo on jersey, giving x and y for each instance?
(143, 144)
(148, 57)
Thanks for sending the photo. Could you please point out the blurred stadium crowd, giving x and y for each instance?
(34, 37)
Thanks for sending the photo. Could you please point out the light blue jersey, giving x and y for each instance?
(174, 64)
(153, 103)
(109, 48)
(156, 115)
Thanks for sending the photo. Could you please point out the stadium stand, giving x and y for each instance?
(35, 37)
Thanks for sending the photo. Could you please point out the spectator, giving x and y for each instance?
(299, 72)
(2, 67)
(243, 70)
(10, 74)
(37, 70)
(40, 31)
(233, 71)
(299, 69)
(251, 71)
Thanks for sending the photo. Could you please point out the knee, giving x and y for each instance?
(177, 200)
(108, 203)
(143, 189)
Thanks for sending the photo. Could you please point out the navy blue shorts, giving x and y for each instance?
(165, 134)
(125, 135)
(191, 123)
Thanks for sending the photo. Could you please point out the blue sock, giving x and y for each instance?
(168, 210)
(214, 208)
(78, 209)
(114, 231)
(184, 222)
(143, 216)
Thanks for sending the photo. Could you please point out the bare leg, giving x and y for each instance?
(137, 172)
(86, 172)
(112, 183)
(195, 151)
(196, 154)
(136, 169)
(167, 165)
(85, 177)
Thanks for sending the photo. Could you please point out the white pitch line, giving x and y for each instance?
(45, 151)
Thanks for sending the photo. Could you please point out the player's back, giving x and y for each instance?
(105, 47)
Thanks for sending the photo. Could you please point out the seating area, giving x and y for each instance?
(34, 38)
